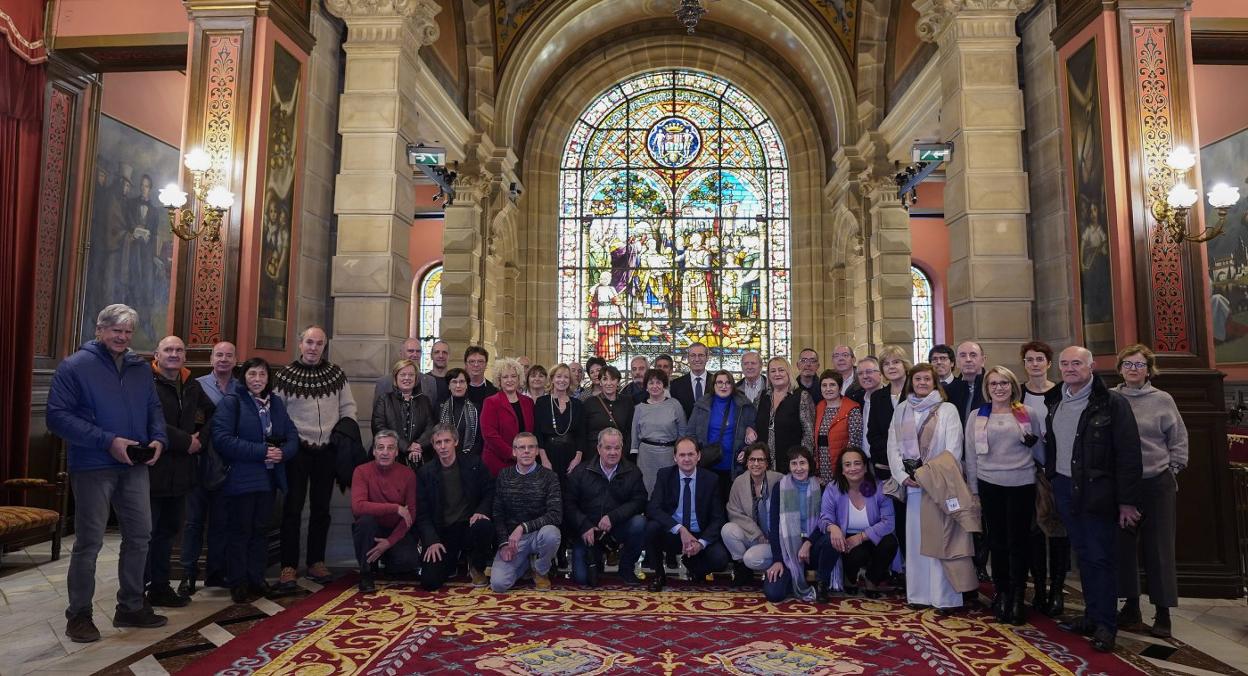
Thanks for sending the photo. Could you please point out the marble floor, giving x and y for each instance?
(32, 620)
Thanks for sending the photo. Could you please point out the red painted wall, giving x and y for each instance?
(424, 243)
(152, 102)
(929, 247)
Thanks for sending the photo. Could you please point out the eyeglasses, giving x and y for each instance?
(1135, 365)
(808, 360)
(992, 385)
(757, 460)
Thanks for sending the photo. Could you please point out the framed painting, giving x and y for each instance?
(1091, 212)
(279, 200)
(129, 247)
(1223, 162)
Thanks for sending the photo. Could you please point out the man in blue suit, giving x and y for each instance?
(685, 515)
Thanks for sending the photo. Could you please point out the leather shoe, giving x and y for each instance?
(165, 598)
(367, 586)
(1077, 625)
(822, 595)
(81, 629)
(629, 577)
(1018, 613)
(239, 594)
(1103, 640)
(657, 583)
(260, 588)
(187, 587)
(1129, 614)
(142, 618)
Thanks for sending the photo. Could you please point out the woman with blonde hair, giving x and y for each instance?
(504, 415)
(408, 411)
(1003, 442)
(786, 414)
(1163, 442)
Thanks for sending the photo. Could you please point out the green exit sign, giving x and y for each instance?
(431, 159)
(932, 155)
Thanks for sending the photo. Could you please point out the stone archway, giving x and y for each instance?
(811, 309)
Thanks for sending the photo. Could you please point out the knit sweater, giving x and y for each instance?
(378, 492)
(1163, 436)
(1008, 462)
(530, 500)
(316, 397)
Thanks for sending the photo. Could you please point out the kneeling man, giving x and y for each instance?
(383, 502)
(527, 512)
(606, 500)
(456, 496)
(685, 515)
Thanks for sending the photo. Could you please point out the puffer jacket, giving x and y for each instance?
(239, 438)
(591, 496)
(1106, 463)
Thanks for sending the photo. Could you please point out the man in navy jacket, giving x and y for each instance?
(685, 514)
(103, 403)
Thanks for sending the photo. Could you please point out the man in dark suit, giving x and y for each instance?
(689, 388)
(971, 364)
(636, 387)
(685, 514)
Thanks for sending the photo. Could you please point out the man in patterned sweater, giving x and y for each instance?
(317, 398)
(527, 512)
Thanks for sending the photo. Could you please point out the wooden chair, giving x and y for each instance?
(22, 526)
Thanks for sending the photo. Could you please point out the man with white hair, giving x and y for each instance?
(103, 403)
(1092, 456)
(383, 502)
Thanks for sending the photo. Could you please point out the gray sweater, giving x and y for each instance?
(1163, 436)
(530, 500)
(1008, 462)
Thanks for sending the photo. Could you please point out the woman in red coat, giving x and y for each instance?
(504, 415)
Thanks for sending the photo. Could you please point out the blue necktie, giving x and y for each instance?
(686, 499)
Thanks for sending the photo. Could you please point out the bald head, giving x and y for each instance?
(970, 359)
(1075, 364)
(170, 356)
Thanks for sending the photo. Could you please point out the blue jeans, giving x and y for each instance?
(630, 537)
(205, 510)
(543, 544)
(1094, 539)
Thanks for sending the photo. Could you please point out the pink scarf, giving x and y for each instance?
(981, 425)
(909, 431)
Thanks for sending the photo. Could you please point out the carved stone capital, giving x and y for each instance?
(370, 15)
(936, 15)
(471, 187)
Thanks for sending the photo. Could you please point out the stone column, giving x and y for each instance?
(986, 196)
(892, 319)
(463, 248)
(374, 194)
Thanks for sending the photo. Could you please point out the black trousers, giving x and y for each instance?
(166, 520)
(659, 541)
(403, 557)
(1159, 502)
(477, 540)
(246, 544)
(1008, 514)
(877, 559)
(310, 474)
(1050, 557)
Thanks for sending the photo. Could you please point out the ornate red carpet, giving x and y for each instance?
(401, 629)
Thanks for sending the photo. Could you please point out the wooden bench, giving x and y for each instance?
(22, 526)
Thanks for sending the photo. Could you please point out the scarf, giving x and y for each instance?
(981, 425)
(793, 529)
(909, 433)
(464, 419)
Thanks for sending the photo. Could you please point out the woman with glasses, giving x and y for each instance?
(748, 499)
(786, 414)
(720, 418)
(408, 411)
(1163, 440)
(458, 410)
(1050, 547)
(1003, 443)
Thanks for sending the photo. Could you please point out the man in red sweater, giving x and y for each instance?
(383, 501)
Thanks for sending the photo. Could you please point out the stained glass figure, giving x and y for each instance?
(921, 307)
(429, 319)
(674, 224)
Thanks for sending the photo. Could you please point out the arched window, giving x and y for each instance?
(921, 307)
(674, 224)
(429, 314)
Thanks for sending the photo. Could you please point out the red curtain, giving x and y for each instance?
(21, 103)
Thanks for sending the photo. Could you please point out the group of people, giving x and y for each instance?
(872, 474)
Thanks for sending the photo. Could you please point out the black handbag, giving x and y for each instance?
(713, 453)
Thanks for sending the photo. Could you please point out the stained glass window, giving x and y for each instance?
(922, 309)
(674, 224)
(430, 314)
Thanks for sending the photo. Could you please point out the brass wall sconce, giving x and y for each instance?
(213, 202)
(1171, 215)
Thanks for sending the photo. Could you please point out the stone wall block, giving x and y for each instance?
(372, 73)
(362, 358)
(998, 191)
(369, 112)
(992, 109)
(1002, 279)
(379, 233)
(998, 234)
(366, 193)
(991, 151)
(374, 152)
(364, 275)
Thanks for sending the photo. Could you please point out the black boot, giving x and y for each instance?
(1003, 606)
(186, 587)
(1129, 614)
(1161, 624)
(1057, 596)
(742, 576)
(821, 593)
(1018, 611)
(1040, 601)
